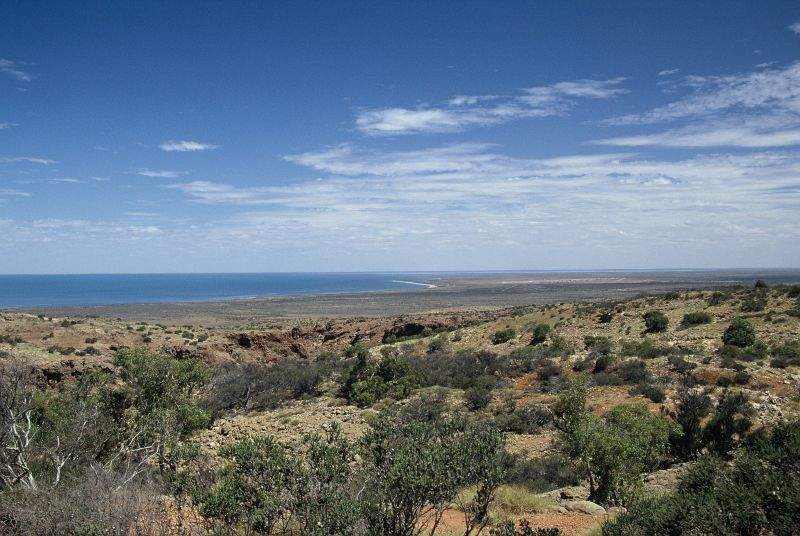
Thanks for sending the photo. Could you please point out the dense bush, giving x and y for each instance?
(633, 371)
(756, 301)
(695, 319)
(542, 474)
(647, 349)
(758, 493)
(523, 419)
(614, 451)
(648, 390)
(503, 335)
(655, 322)
(739, 333)
(540, 332)
(413, 470)
(257, 386)
(691, 409)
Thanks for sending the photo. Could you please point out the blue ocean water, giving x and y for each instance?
(101, 289)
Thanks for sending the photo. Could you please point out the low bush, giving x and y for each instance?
(648, 390)
(757, 493)
(540, 332)
(598, 345)
(695, 319)
(256, 386)
(503, 335)
(542, 474)
(755, 302)
(655, 322)
(739, 333)
(786, 355)
(633, 371)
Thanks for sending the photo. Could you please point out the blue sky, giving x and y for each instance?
(350, 136)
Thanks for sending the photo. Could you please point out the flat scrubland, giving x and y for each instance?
(671, 413)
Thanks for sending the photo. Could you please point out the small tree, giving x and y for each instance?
(414, 469)
(655, 322)
(691, 409)
(612, 452)
(739, 333)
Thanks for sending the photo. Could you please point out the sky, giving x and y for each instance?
(388, 136)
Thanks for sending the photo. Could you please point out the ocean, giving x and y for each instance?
(20, 291)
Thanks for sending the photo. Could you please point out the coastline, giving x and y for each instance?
(468, 292)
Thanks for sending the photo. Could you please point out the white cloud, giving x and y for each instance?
(772, 89)
(667, 72)
(4, 126)
(13, 193)
(70, 181)
(28, 159)
(14, 70)
(463, 111)
(743, 131)
(185, 146)
(470, 196)
(750, 110)
(160, 174)
(795, 27)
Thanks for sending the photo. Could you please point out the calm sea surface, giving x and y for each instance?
(43, 290)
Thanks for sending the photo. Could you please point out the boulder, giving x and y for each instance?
(585, 507)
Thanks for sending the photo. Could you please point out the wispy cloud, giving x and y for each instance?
(13, 193)
(744, 131)
(4, 126)
(667, 72)
(774, 89)
(464, 111)
(28, 159)
(467, 196)
(185, 146)
(14, 70)
(159, 174)
(795, 27)
(750, 110)
(67, 181)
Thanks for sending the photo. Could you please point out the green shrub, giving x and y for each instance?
(729, 423)
(655, 322)
(540, 332)
(691, 409)
(758, 351)
(503, 335)
(756, 301)
(758, 493)
(695, 319)
(605, 317)
(598, 345)
(786, 355)
(648, 390)
(717, 298)
(256, 386)
(633, 371)
(479, 395)
(612, 452)
(739, 333)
